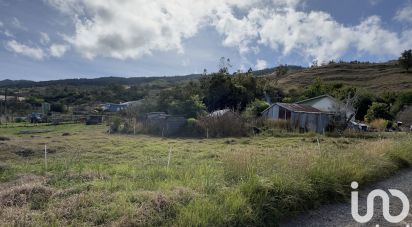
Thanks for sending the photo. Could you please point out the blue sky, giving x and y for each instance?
(55, 39)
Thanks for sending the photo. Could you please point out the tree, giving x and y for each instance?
(406, 59)
(222, 90)
(280, 71)
(316, 88)
(378, 110)
(362, 105)
(224, 65)
(255, 108)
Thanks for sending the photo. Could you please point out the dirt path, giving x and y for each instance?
(340, 214)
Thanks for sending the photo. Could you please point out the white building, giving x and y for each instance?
(329, 104)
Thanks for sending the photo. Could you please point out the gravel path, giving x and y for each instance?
(340, 214)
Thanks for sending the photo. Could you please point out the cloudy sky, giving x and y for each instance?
(53, 39)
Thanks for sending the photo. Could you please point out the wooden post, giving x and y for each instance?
(207, 133)
(45, 157)
(170, 155)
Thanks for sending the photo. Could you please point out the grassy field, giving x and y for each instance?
(93, 178)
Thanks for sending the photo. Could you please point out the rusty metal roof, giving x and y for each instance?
(299, 107)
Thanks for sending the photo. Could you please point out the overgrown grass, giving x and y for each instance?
(94, 178)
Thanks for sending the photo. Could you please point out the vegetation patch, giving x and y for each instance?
(35, 194)
(3, 138)
(97, 178)
(24, 152)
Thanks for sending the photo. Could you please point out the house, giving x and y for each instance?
(113, 107)
(329, 104)
(163, 123)
(301, 117)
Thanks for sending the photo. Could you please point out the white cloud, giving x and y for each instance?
(404, 14)
(135, 28)
(1, 24)
(58, 50)
(17, 24)
(261, 64)
(8, 33)
(44, 38)
(315, 35)
(19, 48)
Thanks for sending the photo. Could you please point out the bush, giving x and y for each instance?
(255, 108)
(228, 124)
(273, 126)
(379, 124)
(115, 124)
(406, 59)
(378, 110)
(192, 128)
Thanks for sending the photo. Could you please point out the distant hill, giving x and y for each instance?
(376, 77)
(104, 81)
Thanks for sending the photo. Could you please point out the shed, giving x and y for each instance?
(164, 123)
(301, 117)
(94, 119)
(113, 107)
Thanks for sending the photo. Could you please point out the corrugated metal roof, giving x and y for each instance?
(299, 107)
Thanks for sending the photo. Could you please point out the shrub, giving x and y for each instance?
(115, 124)
(3, 138)
(273, 126)
(255, 108)
(377, 110)
(379, 124)
(277, 124)
(406, 59)
(192, 128)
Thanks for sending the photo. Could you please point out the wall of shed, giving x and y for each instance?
(165, 124)
(302, 121)
(325, 104)
(316, 122)
(328, 104)
(272, 112)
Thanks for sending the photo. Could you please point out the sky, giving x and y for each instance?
(57, 39)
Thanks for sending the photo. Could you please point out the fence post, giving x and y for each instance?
(45, 157)
(168, 160)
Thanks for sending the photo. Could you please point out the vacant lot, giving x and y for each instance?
(93, 178)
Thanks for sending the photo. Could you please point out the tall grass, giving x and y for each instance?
(94, 178)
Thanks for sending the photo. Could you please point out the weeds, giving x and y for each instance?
(99, 179)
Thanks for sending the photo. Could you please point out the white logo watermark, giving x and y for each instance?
(385, 205)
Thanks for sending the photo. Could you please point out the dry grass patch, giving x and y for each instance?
(28, 190)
